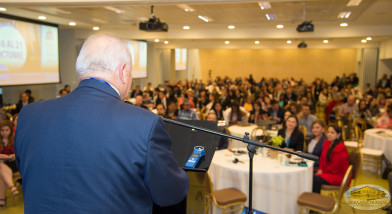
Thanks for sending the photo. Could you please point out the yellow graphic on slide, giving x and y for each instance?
(12, 49)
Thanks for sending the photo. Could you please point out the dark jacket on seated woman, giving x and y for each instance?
(317, 148)
(296, 141)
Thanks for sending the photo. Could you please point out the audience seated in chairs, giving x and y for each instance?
(315, 143)
(294, 138)
(257, 113)
(235, 115)
(333, 161)
(8, 167)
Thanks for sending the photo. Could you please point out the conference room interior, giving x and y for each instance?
(238, 41)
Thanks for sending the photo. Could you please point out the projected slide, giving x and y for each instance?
(28, 53)
(180, 54)
(138, 51)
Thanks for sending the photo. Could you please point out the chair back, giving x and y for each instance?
(208, 184)
(303, 130)
(260, 131)
(342, 187)
(360, 122)
(341, 125)
(355, 159)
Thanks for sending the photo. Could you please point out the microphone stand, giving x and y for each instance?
(251, 148)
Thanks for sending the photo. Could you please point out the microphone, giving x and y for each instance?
(308, 156)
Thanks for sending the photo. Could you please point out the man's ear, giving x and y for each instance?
(123, 73)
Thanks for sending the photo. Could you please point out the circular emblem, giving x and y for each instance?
(367, 197)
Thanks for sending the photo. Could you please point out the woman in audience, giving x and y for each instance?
(257, 114)
(217, 108)
(235, 115)
(364, 113)
(385, 121)
(294, 139)
(373, 107)
(294, 110)
(315, 143)
(248, 104)
(381, 101)
(8, 166)
(333, 161)
(172, 111)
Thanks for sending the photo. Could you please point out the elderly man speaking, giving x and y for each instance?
(89, 152)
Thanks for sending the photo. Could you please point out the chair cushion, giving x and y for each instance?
(351, 144)
(373, 152)
(317, 201)
(228, 196)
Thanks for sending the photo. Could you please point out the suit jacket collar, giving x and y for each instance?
(96, 84)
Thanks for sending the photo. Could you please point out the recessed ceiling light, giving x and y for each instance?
(42, 17)
(325, 41)
(204, 18)
(289, 41)
(186, 27)
(343, 24)
(156, 40)
(116, 10)
(344, 15)
(166, 42)
(280, 26)
(270, 16)
(96, 28)
(2, 9)
(72, 23)
(265, 5)
(363, 40)
(369, 38)
(353, 3)
(231, 27)
(185, 7)
(257, 42)
(227, 42)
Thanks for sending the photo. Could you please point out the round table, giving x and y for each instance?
(239, 131)
(275, 187)
(379, 139)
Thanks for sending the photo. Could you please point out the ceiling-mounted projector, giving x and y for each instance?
(302, 45)
(153, 24)
(305, 27)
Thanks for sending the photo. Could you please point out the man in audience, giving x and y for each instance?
(223, 142)
(139, 102)
(62, 92)
(161, 111)
(275, 112)
(161, 99)
(24, 100)
(136, 92)
(89, 152)
(348, 108)
(186, 113)
(306, 119)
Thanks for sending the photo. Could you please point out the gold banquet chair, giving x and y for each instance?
(358, 143)
(302, 128)
(321, 203)
(224, 198)
(260, 130)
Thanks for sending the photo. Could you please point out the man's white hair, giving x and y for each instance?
(102, 53)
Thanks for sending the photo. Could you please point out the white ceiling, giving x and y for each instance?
(371, 18)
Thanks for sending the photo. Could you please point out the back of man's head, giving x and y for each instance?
(102, 54)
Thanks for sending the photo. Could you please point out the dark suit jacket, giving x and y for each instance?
(280, 113)
(89, 152)
(296, 140)
(317, 149)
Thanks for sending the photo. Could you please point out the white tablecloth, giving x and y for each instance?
(379, 139)
(239, 131)
(275, 187)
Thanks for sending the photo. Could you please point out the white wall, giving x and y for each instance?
(385, 59)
